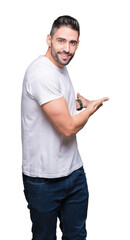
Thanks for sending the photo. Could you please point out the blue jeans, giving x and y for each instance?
(65, 198)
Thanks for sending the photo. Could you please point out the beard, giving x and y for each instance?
(62, 61)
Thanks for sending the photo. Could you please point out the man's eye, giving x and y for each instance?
(60, 41)
(73, 43)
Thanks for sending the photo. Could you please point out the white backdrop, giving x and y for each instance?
(101, 67)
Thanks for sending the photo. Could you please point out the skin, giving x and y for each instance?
(61, 49)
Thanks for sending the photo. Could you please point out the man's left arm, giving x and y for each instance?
(84, 102)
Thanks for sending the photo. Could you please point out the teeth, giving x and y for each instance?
(64, 55)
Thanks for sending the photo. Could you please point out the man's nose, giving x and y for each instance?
(67, 47)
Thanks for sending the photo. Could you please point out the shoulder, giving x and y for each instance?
(40, 70)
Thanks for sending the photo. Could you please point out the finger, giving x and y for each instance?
(96, 102)
(105, 99)
(100, 101)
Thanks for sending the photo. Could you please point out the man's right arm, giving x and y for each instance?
(58, 113)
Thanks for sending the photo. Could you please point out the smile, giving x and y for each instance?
(64, 56)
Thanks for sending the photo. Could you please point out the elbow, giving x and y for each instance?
(68, 134)
(68, 131)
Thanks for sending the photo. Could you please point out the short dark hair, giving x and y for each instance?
(65, 21)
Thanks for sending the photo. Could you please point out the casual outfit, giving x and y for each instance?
(54, 180)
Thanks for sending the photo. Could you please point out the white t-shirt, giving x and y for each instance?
(46, 152)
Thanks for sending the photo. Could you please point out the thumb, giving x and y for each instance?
(78, 95)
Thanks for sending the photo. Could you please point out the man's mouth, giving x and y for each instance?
(64, 56)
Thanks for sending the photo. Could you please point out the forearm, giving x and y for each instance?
(78, 121)
(58, 113)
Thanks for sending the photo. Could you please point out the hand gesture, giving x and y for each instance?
(93, 106)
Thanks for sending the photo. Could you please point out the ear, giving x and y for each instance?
(77, 45)
(48, 40)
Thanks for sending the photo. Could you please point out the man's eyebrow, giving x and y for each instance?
(60, 38)
(74, 41)
(64, 39)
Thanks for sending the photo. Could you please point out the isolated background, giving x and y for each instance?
(101, 67)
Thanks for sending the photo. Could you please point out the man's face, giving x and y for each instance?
(63, 45)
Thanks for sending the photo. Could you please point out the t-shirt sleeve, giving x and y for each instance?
(44, 87)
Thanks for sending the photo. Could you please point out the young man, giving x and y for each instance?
(54, 179)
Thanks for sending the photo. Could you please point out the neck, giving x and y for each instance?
(48, 55)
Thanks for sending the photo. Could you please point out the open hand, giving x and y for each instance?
(93, 106)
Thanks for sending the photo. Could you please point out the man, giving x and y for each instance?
(54, 179)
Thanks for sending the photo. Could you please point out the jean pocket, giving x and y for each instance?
(37, 181)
